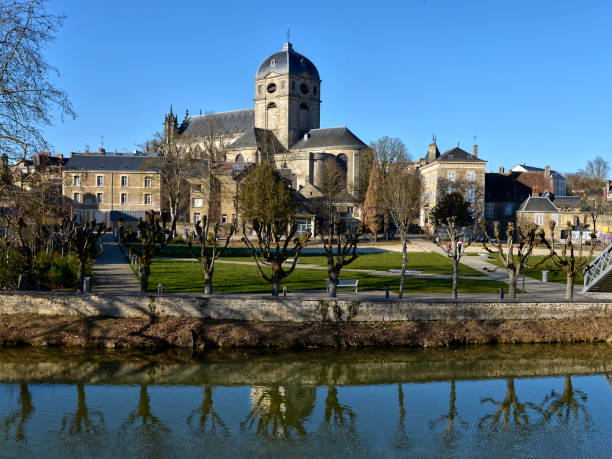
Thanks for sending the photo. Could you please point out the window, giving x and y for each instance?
(349, 209)
(148, 182)
(100, 198)
(224, 218)
(196, 188)
(490, 209)
(303, 88)
(197, 202)
(539, 219)
(147, 198)
(451, 176)
(124, 181)
(76, 180)
(196, 217)
(555, 218)
(314, 90)
(508, 210)
(100, 180)
(76, 197)
(471, 176)
(470, 195)
(273, 62)
(124, 198)
(271, 88)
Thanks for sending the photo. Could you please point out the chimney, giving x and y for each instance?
(547, 171)
(102, 151)
(475, 150)
(61, 164)
(501, 169)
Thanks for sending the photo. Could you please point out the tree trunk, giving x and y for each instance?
(144, 278)
(569, 287)
(81, 275)
(403, 275)
(275, 285)
(512, 281)
(455, 275)
(334, 274)
(208, 275)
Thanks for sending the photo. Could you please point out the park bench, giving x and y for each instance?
(345, 283)
(409, 272)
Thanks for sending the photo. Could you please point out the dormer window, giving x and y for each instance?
(273, 63)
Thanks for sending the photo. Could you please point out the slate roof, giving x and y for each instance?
(538, 204)
(111, 162)
(567, 201)
(226, 122)
(533, 169)
(329, 137)
(459, 155)
(287, 61)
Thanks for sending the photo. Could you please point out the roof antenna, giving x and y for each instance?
(102, 142)
(433, 138)
(288, 33)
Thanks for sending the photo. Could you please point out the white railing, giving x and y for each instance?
(599, 268)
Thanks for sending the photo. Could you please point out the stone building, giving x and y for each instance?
(540, 180)
(106, 186)
(283, 126)
(454, 170)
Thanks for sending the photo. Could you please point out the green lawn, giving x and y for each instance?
(536, 273)
(186, 276)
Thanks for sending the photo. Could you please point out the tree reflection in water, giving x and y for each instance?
(401, 441)
(146, 423)
(451, 418)
(565, 405)
(80, 421)
(208, 416)
(279, 411)
(510, 412)
(19, 418)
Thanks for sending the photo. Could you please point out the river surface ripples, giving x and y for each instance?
(488, 401)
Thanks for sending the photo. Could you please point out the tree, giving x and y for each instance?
(401, 194)
(266, 201)
(567, 260)
(27, 96)
(595, 173)
(371, 215)
(340, 243)
(154, 237)
(521, 239)
(453, 214)
(83, 241)
(562, 406)
(509, 411)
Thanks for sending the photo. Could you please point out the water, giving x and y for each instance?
(515, 401)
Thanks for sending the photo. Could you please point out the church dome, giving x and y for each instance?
(287, 61)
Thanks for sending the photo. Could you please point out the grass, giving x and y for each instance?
(554, 275)
(186, 276)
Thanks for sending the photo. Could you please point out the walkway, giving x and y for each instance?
(112, 272)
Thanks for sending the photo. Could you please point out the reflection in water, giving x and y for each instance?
(305, 406)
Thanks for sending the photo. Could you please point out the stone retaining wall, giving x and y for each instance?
(290, 309)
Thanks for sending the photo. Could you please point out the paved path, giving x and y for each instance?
(112, 272)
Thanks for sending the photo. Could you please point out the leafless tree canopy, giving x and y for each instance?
(27, 97)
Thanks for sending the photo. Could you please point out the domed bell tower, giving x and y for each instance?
(287, 96)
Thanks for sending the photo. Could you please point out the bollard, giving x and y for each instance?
(501, 293)
(544, 276)
(386, 292)
(284, 290)
(160, 289)
(139, 273)
(86, 286)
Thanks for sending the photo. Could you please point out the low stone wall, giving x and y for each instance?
(290, 309)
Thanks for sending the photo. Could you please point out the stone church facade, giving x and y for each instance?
(283, 126)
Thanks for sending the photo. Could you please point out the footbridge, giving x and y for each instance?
(598, 274)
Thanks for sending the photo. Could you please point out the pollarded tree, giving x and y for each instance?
(401, 194)
(266, 201)
(371, 215)
(339, 242)
(521, 239)
(154, 236)
(83, 242)
(568, 260)
(453, 214)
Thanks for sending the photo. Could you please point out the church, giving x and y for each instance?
(284, 126)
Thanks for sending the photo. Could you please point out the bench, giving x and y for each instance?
(484, 255)
(345, 283)
(408, 272)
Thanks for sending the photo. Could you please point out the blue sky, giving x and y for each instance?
(530, 79)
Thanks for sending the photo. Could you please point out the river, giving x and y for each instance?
(487, 401)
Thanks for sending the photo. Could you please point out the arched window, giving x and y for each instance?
(303, 106)
(342, 161)
(239, 158)
(271, 105)
(271, 87)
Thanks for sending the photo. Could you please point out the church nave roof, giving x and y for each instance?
(226, 122)
(329, 137)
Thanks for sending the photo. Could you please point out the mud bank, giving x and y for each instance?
(184, 332)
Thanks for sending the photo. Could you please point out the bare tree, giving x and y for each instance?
(371, 214)
(27, 96)
(401, 193)
(521, 239)
(594, 202)
(568, 260)
(266, 200)
(339, 242)
(453, 214)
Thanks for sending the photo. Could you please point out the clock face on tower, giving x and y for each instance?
(304, 88)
